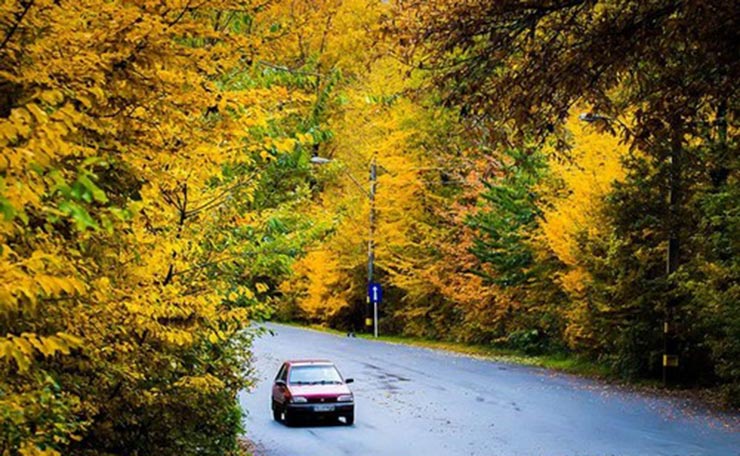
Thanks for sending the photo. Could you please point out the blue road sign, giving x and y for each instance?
(375, 293)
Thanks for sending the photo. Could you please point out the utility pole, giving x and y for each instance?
(670, 357)
(371, 252)
(371, 305)
(675, 156)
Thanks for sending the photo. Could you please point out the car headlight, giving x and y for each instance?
(299, 400)
(345, 398)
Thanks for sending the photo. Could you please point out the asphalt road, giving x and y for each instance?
(415, 401)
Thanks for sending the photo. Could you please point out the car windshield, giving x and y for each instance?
(314, 375)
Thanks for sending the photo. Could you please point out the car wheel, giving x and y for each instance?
(276, 413)
(288, 418)
(349, 419)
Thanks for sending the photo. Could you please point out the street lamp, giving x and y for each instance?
(669, 344)
(316, 160)
(369, 321)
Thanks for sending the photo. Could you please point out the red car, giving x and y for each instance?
(311, 388)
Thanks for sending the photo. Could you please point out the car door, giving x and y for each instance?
(279, 388)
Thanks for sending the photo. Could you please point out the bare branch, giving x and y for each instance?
(19, 18)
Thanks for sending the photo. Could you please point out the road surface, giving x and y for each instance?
(416, 401)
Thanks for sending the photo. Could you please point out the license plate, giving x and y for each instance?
(323, 408)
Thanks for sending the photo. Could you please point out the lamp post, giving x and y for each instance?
(670, 358)
(371, 315)
(371, 246)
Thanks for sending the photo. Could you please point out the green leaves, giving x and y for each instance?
(84, 188)
(79, 215)
(6, 209)
(77, 197)
(508, 220)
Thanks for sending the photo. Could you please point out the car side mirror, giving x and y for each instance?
(280, 382)
(349, 380)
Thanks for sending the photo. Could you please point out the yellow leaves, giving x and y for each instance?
(33, 136)
(85, 101)
(240, 291)
(8, 133)
(28, 280)
(51, 97)
(29, 449)
(114, 120)
(202, 383)
(20, 195)
(574, 281)
(70, 340)
(176, 337)
(305, 138)
(54, 286)
(22, 349)
(277, 146)
(321, 272)
(574, 213)
(285, 145)
(595, 165)
(18, 124)
(38, 114)
(232, 320)
(335, 34)
(266, 155)
(103, 284)
(374, 121)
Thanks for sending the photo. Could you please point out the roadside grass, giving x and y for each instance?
(560, 362)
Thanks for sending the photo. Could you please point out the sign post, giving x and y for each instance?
(375, 296)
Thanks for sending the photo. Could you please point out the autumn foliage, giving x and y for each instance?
(551, 176)
(156, 193)
(132, 138)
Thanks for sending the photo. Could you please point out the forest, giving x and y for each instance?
(554, 177)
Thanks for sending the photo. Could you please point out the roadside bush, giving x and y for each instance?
(530, 341)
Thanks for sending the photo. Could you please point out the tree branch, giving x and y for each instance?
(19, 19)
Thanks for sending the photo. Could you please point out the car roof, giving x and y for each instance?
(303, 362)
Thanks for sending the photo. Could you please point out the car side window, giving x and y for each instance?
(282, 373)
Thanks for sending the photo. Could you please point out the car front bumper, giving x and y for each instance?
(333, 408)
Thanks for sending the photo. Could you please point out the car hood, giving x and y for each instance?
(319, 390)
